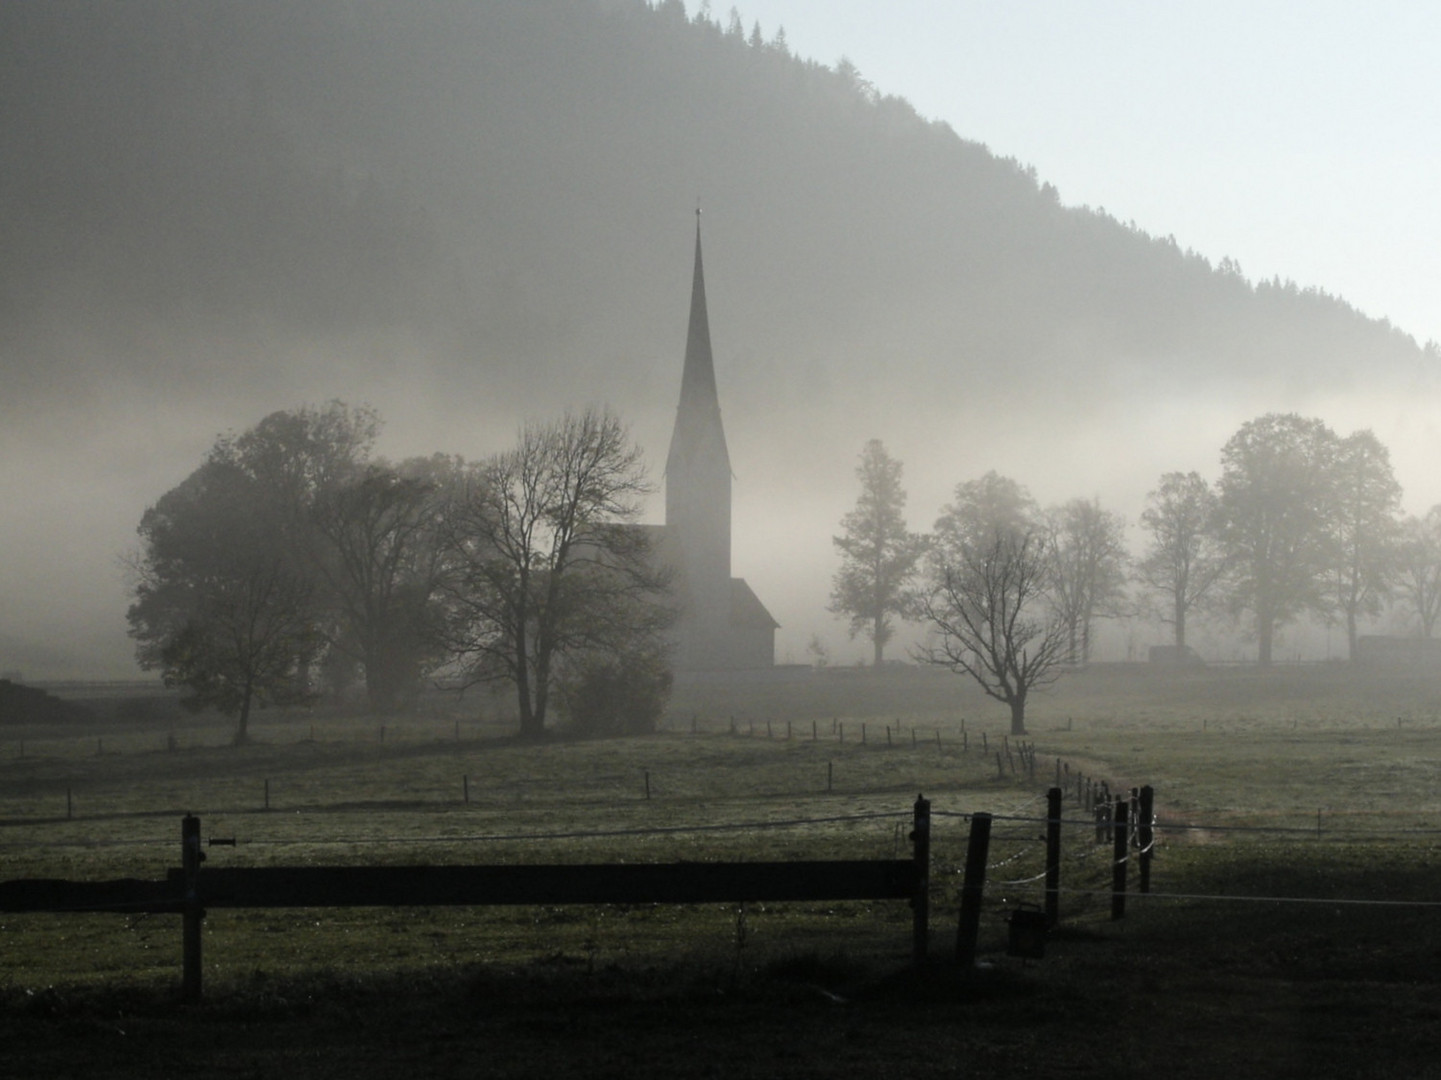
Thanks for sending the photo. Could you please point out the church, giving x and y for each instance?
(723, 625)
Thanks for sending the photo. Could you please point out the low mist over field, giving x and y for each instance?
(471, 215)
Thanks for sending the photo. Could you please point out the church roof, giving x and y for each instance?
(747, 609)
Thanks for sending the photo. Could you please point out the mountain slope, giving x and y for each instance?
(465, 213)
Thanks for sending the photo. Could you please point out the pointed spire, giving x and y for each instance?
(698, 474)
(698, 387)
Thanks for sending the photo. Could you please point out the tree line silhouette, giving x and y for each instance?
(1301, 521)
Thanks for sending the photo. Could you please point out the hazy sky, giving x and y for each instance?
(1301, 138)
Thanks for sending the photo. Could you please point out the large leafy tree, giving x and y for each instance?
(987, 605)
(220, 608)
(366, 533)
(874, 585)
(1366, 504)
(1276, 510)
(1183, 562)
(299, 455)
(549, 569)
(981, 508)
(378, 553)
(354, 534)
(1088, 563)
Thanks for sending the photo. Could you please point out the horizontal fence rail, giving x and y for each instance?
(476, 886)
(125, 896)
(630, 883)
(189, 892)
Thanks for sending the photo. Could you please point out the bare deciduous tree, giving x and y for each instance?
(988, 608)
(548, 565)
(994, 623)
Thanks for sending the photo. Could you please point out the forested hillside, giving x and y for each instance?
(468, 213)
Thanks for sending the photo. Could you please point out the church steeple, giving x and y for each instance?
(699, 407)
(698, 488)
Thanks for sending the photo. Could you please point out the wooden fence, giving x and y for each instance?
(189, 892)
(1127, 825)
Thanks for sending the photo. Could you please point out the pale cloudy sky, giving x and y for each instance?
(1300, 137)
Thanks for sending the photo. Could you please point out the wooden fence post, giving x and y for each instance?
(1119, 849)
(921, 902)
(193, 914)
(972, 885)
(1146, 836)
(1053, 856)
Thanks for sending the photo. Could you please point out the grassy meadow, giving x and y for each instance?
(1312, 783)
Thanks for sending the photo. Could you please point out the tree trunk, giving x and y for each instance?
(532, 728)
(532, 715)
(1180, 611)
(242, 726)
(1018, 716)
(880, 649)
(1265, 627)
(524, 708)
(1351, 634)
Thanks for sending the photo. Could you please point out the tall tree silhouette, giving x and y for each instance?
(873, 586)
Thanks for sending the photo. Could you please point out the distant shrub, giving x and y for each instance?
(29, 705)
(616, 695)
